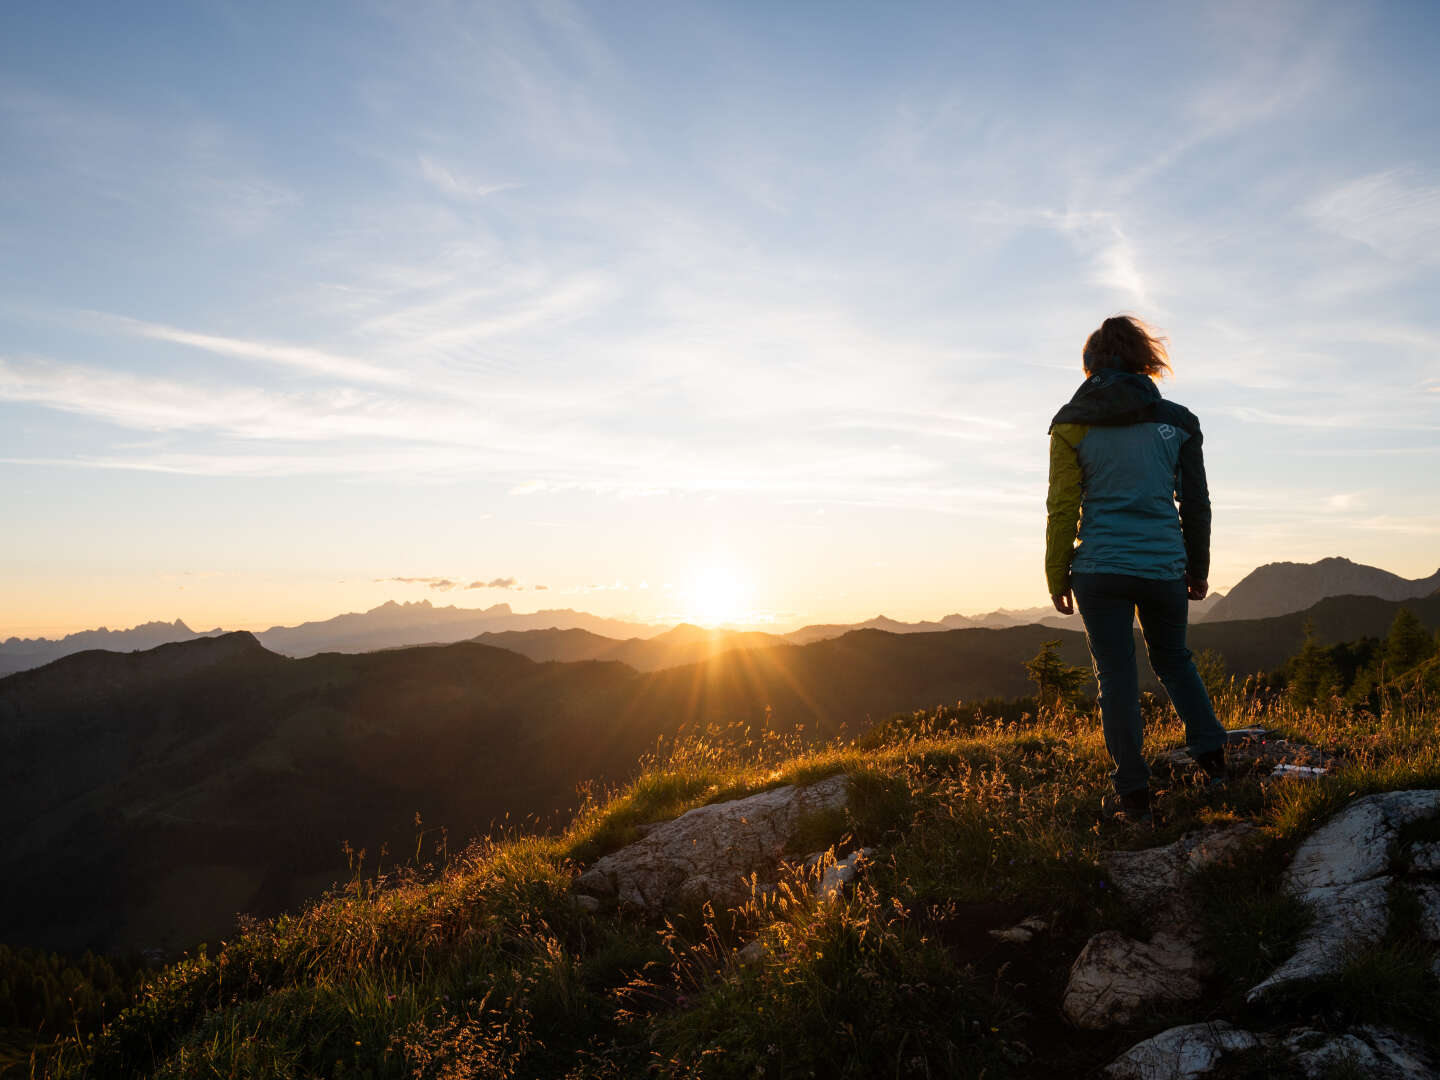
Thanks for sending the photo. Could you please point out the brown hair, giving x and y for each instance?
(1124, 343)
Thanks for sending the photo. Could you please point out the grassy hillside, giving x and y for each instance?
(185, 784)
(483, 964)
(131, 764)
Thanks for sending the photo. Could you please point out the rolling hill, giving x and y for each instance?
(150, 796)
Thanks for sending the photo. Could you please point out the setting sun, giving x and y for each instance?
(717, 595)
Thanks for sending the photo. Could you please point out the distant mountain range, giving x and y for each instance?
(19, 654)
(149, 796)
(1283, 587)
(1274, 589)
(393, 625)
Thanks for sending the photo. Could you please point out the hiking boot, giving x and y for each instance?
(1134, 807)
(1216, 774)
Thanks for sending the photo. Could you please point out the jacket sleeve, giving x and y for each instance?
(1193, 494)
(1062, 507)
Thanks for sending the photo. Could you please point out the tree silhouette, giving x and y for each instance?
(1408, 643)
(1058, 683)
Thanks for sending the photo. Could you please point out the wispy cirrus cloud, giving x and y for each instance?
(305, 358)
(1396, 212)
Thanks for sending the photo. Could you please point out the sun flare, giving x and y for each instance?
(717, 595)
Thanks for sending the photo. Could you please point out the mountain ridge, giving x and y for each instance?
(1280, 588)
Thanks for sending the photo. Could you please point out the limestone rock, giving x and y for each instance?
(1341, 871)
(1428, 893)
(1379, 1054)
(1346, 917)
(840, 874)
(1116, 979)
(1354, 844)
(1402, 1052)
(1195, 1050)
(1154, 876)
(709, 852)
(1181, 1053)
(1023, 931)
(1426, 857)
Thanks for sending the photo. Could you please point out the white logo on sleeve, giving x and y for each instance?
(1166, 432)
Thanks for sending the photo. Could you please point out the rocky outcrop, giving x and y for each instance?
(1116, 978)
(1193, 1051)
(710, 853)
(1181, 1053)
(1343, 872)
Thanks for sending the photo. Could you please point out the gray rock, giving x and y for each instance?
(1355, 843)
(1341, 872)
(1428, 893)
(1181, 1053)
(710, 852)
(1380, 1054)
(1154, 876)
(1116, 979)
(1347, 917)
(1402, 1052)
(840, 874)
(1023, 931)
(1426, 857)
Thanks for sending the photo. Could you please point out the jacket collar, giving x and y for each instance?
(1110, 398)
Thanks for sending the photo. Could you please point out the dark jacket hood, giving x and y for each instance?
(1110, 398)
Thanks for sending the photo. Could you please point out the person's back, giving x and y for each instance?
(1120, 458)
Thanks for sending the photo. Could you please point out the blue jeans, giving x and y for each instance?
(1107, 604)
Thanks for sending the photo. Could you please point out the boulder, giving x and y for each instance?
(1023, 931)
(1347, 917)
(841, 873)
(1428, 893)
(1372, 1052)
(1181, 1053)
(1195, 1050)
(1342, 872)
(1116, 979)
(709, 853)
(1152, 878)
(1355, 843)
(1426, 858)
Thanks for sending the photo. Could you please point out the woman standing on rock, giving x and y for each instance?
(1121, 457)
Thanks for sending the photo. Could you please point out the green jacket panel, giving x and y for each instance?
(1062, 505)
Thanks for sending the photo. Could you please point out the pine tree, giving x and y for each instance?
(1057, 682)
(1311, 673)
(1408, 644)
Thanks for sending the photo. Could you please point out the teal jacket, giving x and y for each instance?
(1121, 459)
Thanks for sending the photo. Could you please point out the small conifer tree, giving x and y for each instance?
(1408, 643)
(1058, 683)
(1311, 673)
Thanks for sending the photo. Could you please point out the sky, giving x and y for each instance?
(742, 311)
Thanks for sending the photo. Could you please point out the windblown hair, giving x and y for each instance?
(1124, 343)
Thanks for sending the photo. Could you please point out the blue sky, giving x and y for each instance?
(629, 300)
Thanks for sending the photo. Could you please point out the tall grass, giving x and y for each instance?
(488, 967)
